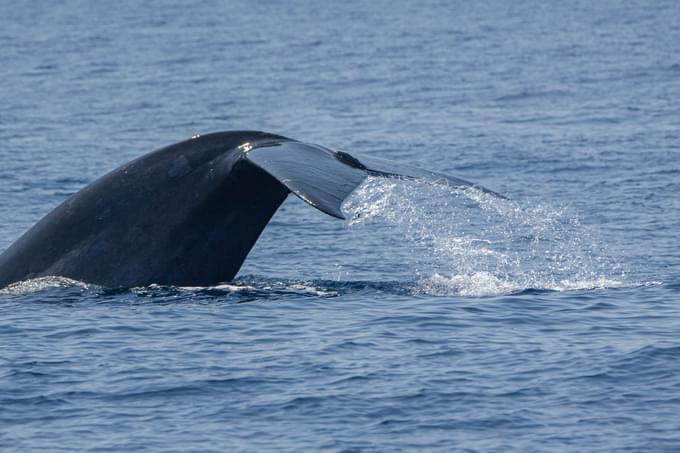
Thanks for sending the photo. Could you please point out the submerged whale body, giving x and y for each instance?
(188, 214)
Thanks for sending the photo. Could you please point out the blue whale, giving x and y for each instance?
(188, 214)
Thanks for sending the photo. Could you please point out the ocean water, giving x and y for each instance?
(432, 319)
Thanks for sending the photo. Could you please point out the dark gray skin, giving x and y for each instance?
(188, 214)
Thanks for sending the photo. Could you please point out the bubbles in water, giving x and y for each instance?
(265, 287)
(472, 243)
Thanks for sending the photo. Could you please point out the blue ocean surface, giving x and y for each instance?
(432, 319)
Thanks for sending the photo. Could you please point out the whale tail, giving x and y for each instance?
(188, 214)
(325, 178)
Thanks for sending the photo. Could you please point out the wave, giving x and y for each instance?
(255, 288)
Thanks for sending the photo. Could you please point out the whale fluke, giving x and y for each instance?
(188, 214)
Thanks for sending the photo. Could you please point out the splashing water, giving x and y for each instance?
(468, 242)
(40, 284)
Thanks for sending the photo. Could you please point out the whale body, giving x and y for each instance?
(189, 213)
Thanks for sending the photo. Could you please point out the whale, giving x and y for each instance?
(189, 213)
